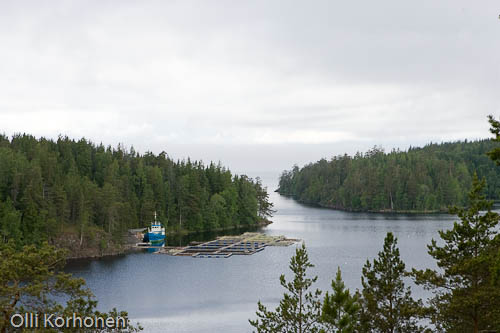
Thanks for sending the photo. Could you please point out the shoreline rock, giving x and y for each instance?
(130, 239)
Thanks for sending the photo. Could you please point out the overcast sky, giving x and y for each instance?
(259, 85)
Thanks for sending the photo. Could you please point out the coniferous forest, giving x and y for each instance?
(78, 194)
(428, 179)
(464, 282)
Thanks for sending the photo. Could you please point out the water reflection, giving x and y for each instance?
(209, 295)
(156, 247)
(185, 239)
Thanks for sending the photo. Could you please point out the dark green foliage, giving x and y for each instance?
(10, 222)
(494, 154)
(466, 288)
(387, 304)
(31, 280)
(299, 311)
(422, 179)
(265, 206)
(48, 188)
(467, 285)
(340, 310)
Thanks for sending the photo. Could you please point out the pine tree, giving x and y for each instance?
(466, 292)
(299, 311)
(265, 209)
(495, 156)
(495, 129)
(31, 280)
(387, 304)
(340, 309)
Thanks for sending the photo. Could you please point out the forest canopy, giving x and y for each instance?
(51, 189)
(425, 179)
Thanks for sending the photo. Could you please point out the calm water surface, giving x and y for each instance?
(182, 294)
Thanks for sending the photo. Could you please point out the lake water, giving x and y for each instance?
(183, 294)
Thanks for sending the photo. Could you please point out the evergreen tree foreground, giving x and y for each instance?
(466, 288)
(31, 280)
(300, 309)
(340, 310)
(386, 302)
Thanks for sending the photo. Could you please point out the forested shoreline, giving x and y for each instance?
(428, 179)
(464, 282)
(84, 197)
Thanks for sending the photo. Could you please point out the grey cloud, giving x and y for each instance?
(250, 79)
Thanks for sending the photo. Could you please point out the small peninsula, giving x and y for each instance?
(85, 197)
(420, 180)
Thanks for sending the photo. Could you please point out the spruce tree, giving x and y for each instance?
(388, 306)
(299, 310)
(340, 309)
(466, 291)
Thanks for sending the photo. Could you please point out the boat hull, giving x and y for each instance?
(154, 239)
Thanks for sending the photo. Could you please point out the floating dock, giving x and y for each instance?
(227, 246)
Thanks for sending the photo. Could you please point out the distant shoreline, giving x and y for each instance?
(383, 211)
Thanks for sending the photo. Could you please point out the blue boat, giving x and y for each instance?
(155, 234)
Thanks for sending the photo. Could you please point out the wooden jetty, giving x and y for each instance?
(227, 246)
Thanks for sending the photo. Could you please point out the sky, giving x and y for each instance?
(257, 85)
